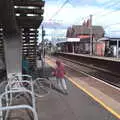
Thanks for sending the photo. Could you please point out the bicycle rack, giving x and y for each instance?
(16, 85)
(20, 88)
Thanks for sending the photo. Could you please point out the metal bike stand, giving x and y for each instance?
(16, 85)
(17, 106)
(8, 86)
(19, 77)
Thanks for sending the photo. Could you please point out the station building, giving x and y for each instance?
(78, 39)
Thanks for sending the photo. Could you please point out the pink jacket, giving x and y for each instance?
(59, 71)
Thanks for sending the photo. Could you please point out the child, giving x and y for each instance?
(59, 73)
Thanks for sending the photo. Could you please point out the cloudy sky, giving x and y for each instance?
(68, 12)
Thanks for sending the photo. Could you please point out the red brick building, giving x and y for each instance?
(83, 44)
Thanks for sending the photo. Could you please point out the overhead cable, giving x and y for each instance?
(110, 4)
(66, 1)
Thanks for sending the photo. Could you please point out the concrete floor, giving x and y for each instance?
(77, 105)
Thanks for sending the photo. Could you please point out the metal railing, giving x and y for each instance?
(22, 84)
(16, 84)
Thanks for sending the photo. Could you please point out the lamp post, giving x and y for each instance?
(43, 50)
(91, 37)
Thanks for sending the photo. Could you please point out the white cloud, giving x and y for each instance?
(102, 1)
(70, 15)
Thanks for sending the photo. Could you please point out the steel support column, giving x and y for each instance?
(13, 55)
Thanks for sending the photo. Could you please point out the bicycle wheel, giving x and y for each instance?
(42, 87)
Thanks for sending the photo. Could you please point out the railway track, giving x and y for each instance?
(91, 70)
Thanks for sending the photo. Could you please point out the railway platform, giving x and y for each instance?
(88, 99)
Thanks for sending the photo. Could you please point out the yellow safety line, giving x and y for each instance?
(95, 98)
(92, 96)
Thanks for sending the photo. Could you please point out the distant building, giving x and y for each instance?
(78, 30)
(112, 46)
(78, 39)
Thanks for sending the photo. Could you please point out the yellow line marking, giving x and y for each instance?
(95, 98)
(92, 96)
